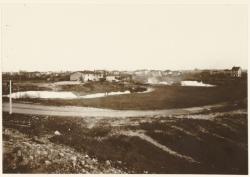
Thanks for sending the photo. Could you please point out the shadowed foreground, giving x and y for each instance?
(211, 142)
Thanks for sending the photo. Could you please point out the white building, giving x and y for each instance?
(111, 78)
(86, 76)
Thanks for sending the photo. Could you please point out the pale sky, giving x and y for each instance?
(123, 36)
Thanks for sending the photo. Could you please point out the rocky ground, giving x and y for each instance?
(213, 141)
(23, 154)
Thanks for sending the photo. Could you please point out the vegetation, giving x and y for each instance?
(163, 97)
(218, 144)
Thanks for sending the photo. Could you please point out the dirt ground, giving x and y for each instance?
(209, 142)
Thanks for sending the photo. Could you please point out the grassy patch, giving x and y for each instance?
(163, 97)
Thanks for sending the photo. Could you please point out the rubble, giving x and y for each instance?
(25, 154)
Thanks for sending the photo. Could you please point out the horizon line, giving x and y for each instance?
(74, 70)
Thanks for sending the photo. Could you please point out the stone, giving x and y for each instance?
(50, 156)
(47, 162)
(24, 162)
(19, 153)
(73, 158)
(89, 161)
(27, 144)
(6, 131)
(31, 157)
(82, 162)
(83, 171)
(94, 160)
(44, 152)
(120, 162)
(61, 154)
(108, 162)
(57, 133)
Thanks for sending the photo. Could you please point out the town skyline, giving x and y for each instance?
(85, 69)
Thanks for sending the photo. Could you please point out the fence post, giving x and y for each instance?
(10, 99)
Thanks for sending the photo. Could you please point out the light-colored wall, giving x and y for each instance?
(76, 76)
(85, 77)
(237, 73)
(110, 78)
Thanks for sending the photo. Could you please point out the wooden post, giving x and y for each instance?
(10, 99)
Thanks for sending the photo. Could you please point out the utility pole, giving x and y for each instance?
(10, 100)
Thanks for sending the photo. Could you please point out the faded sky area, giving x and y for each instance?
(123, 36)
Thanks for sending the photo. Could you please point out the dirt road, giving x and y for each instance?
(97, 112)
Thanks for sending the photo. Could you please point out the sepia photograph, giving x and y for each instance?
(108, 87)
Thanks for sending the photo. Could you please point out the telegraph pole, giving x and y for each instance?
(10, 100)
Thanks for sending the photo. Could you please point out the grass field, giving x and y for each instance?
(78, 89)
(163, 97)
(210, 142)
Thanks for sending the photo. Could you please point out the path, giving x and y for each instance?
(96, 112)
(162, 147)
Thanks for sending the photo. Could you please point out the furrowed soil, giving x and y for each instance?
(210, 142)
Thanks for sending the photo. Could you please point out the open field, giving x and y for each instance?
(169, 144)
(163, 97)
(77, 88)
(154, 132)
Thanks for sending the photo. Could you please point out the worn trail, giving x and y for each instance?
(75, 111)
(162, 147)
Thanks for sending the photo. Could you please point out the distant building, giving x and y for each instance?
(76, 76)
(226, 73)
(34, 74)
(156, 73)
(141, 72)
(92, 76)
(86, 76)
(101, 71)
(176, 73)
(111, 78)
(167, 72)
(124, 77)
(215, 72)
(115, 72)
(236, 72)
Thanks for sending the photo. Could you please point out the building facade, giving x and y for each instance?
(86, 76)
(236, 72)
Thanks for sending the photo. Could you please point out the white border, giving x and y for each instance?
(177, 2)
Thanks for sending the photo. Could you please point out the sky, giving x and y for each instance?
(55, 37)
